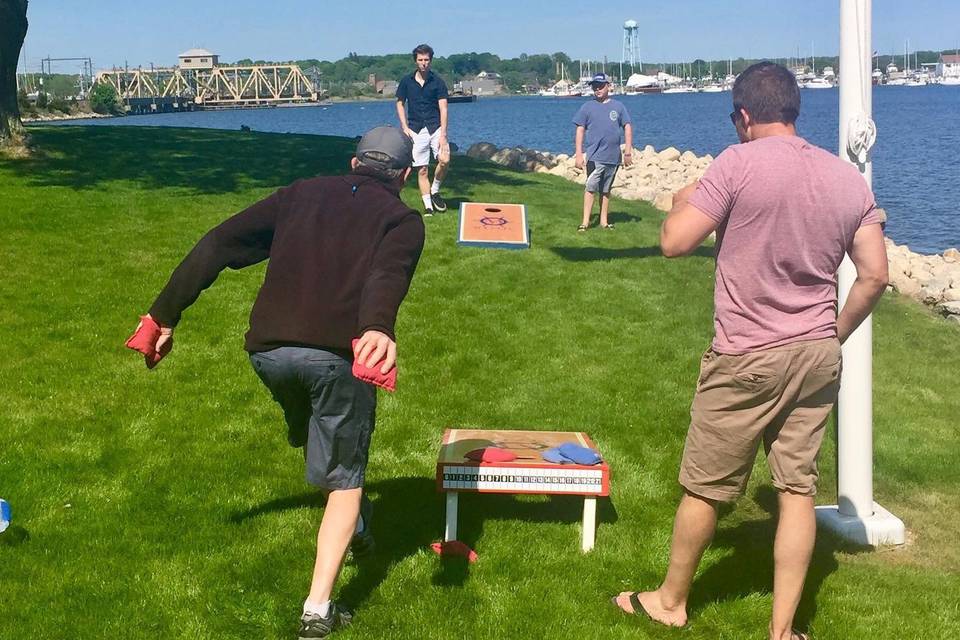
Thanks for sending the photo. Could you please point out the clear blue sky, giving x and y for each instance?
(112, 32)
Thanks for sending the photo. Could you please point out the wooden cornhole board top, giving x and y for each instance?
(529, 473)
(496, 225)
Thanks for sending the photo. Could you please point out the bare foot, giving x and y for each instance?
(653, 608)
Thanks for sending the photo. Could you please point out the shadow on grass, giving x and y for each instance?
(14, 536)
(408, 515)
(205, 161)
(749, 569)
(617, 217)
(589, 254)
(476, 509)
(309, 500)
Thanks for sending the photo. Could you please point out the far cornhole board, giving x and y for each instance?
(487, 224)
(529, 473)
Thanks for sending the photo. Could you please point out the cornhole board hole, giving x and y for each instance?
(528, 474)
(486, 224)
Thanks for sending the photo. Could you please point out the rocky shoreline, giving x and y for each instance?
(654, 176)
(47, 117)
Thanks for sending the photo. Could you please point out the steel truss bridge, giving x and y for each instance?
(176, 89)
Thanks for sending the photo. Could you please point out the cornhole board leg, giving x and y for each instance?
(589, 524)
(450, 531)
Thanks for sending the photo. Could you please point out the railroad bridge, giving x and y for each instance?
(199, 82)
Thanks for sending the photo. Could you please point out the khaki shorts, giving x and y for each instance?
(782, 396)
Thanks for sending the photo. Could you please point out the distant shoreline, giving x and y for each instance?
(333, 100)
(65, 116)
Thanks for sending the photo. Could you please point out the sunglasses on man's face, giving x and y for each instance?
(735, 115)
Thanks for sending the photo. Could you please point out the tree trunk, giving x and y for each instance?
(13, 29)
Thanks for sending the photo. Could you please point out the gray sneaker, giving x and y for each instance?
(313, 626)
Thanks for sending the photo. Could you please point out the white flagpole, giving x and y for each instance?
(856, 516)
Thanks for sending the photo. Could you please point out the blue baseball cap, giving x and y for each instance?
(600, 78)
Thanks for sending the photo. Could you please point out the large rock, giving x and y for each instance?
(932, 291)
(905, 284)
(949, 308)
(689, 157)
(507, 157)
(951, 255)
(898, 263)
(941, 268)
(481, 150)
(647, 193)
(922, 275)
(952, 295)
(670, 154)
(664, 201)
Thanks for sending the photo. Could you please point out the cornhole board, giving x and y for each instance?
(487, 224)
(529, 473)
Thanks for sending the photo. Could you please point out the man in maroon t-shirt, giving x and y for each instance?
(785, 213)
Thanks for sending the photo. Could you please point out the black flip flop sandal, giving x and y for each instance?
(638, 608)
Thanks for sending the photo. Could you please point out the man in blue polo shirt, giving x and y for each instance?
(422, 109)
(600, 121)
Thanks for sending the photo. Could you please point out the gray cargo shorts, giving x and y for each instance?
(328, 411)
(600, 177)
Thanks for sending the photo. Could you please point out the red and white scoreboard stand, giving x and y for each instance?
(529, 473)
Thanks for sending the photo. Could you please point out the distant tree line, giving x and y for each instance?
(348, 76)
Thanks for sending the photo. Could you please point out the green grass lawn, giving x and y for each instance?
(167, 504)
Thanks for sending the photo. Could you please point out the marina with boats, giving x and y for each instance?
(946, 71)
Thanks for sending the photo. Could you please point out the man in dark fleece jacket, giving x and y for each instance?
(342, 251)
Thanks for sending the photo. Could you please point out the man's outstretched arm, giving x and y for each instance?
(685, 227)
(238, 242)
(869, 256)
(242, 240)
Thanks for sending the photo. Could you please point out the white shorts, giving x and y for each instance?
(423, 142)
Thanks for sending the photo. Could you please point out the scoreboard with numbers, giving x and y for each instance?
(529, 473)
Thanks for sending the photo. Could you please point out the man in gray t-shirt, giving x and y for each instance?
(598, 125)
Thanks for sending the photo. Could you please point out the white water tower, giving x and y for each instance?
(631, 44)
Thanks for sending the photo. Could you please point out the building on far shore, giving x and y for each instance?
(484, 83)
(381, 86)
(949, 66)
(198, 59)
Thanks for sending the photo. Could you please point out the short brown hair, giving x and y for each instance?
(421, 49)
(768, 92)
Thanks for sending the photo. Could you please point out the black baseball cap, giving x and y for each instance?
(600, 79)
(385, 148)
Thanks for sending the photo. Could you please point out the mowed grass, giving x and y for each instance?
(167, 504)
